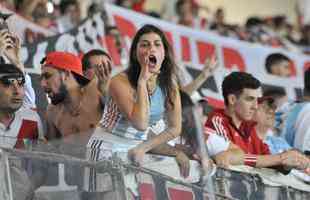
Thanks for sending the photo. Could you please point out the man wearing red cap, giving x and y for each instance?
(75, 104)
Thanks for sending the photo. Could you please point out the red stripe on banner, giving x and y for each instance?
(232, 58)
(186, 49)
(146, 191)
(292, 68)
(113, 51)
(169, 37)
(205, 50)
(176, 194)
(215, 102)
(126, 27)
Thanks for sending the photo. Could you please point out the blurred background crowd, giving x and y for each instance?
(278, 30)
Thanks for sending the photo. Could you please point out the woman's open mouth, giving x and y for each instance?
(152, 61)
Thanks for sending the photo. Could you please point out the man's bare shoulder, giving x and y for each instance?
(52, 111)
(121, 77)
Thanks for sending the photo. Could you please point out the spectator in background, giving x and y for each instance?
(278, 64)
(219, 25)
(35, 11)
(265, 118)
(241, 92)
(93, 61)
(294, 119)
(302, 9)
(93, 58)
(279, 25)
(187, 11)
(305, 37)
(70, 15)
(41, 17)
(27, 7)
(219, 19)
(8, 4)
(278, 94)
(211, 64)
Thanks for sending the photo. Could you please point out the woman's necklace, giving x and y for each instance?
(151, 86)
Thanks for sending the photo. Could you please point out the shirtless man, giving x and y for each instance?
(75, 101)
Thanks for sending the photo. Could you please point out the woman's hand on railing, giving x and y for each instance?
(183, 162)
(136, 155)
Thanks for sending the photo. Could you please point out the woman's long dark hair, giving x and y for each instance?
(167, 75)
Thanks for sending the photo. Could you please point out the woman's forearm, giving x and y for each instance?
(139, 116)
(162, 138)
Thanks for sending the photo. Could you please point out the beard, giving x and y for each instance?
(59, 96)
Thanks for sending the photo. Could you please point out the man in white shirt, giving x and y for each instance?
(17, 122)
(19, 125)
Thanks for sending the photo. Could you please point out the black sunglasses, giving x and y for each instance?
(10, 80)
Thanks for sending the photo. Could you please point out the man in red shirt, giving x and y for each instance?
(241, 92)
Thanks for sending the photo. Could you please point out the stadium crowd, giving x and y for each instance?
(146, 103)
(274, 31)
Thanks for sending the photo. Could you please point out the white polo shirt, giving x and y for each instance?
(25, 125)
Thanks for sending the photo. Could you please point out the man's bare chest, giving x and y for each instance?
(82, 121)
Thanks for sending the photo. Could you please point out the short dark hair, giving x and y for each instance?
(253, 22)
(307, 82)
(274, 92)
(179, 4)
(64, 4)
(10, 69)
(89, 54)
(273, 59)
(235, 82)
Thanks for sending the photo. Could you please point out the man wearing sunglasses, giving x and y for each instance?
(10, 46)
(17, 122)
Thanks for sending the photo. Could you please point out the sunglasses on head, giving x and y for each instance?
(271, 104)
(10, 80)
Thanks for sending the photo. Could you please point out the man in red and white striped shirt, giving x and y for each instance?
(241, 92)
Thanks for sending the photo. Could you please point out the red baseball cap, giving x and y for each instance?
(66, 61)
